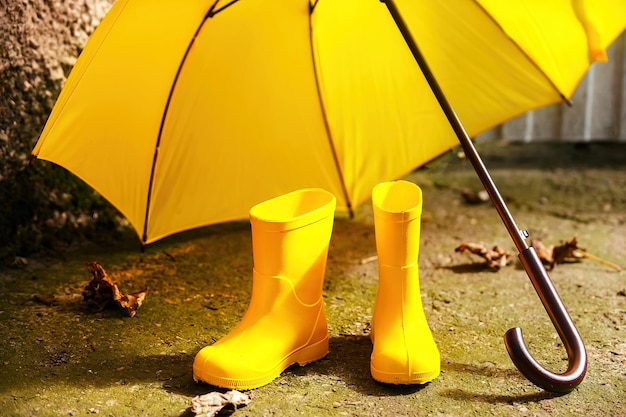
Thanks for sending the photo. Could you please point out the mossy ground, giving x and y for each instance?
(65, 360)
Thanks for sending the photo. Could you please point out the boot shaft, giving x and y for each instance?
(290, 238)
(397, 213)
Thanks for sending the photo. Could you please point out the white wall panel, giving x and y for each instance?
(598, 111)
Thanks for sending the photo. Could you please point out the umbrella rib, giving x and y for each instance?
(215, 10)
(209, 13)
(329, 136)
(530, 58)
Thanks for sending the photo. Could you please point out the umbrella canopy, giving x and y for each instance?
(184, 114)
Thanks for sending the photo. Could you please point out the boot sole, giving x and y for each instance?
(420, 378)
(308, 354)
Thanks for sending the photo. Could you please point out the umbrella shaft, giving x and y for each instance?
(459, 130)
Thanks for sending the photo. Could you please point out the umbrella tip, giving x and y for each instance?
(567, 101)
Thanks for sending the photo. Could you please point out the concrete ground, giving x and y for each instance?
(60, 359)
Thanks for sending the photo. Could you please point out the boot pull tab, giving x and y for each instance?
(576, 353)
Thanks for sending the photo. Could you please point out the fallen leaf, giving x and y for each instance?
(495, 258)
(566, 251)
(102, 291)
(545, 253)
(211, 404)
(557, 254)
(132, 302)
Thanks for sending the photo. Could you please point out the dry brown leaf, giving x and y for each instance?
(211, 404)
(553, 254)
(545, 253)
(131, 302)
(558, 254)
(495, 258)
(102, 291)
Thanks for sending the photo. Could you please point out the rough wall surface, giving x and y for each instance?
(39, 43)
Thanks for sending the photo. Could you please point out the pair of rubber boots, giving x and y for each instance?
(285, 322)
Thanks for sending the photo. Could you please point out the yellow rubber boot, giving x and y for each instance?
(285, 322)
(404, 349)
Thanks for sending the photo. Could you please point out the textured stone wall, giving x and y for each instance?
(39, 42)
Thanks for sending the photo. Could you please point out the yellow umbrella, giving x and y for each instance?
(184, 114)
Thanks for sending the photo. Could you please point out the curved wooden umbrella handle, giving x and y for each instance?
(576, 353)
